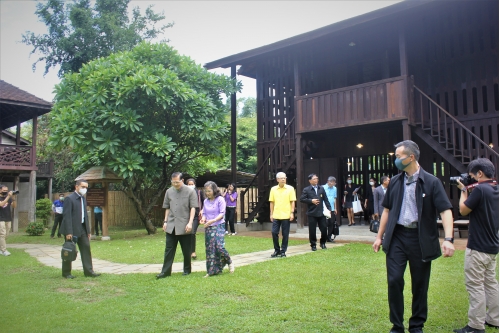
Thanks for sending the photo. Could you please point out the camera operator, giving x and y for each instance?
(482, 246)
(7, 202)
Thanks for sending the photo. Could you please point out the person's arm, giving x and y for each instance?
(233, 196)
(189, 226)
(381, 230)
(447, 246)
(375, 203)
(304, 197)
(165, 221)
(271, 210)
(67, 220)
(6, 200)
(13, 202)
(463, 209)
(292, 209)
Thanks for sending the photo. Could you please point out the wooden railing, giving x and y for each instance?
(366, 103)
(14, 157)
(456, 138)
(279, 158)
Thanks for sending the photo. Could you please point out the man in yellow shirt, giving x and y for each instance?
(282, 202)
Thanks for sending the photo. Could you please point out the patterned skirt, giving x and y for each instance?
(217, 255)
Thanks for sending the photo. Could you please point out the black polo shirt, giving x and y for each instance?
(483, 223)
(6, 211)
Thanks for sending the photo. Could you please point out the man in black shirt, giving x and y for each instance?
(482, 246)
(6, 204)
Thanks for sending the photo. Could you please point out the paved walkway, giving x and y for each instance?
(50, 255)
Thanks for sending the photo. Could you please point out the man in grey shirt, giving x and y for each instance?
(180, 204)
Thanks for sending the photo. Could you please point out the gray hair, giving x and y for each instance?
(280, 175)
(410, 148)
(332, 179)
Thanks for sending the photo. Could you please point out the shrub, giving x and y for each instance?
(35, 229)
(43, 210)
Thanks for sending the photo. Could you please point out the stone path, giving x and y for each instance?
(50, 255)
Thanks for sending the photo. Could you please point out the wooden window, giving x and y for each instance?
(485, 99)
(455, 103)
(474, 100)
(464, 100)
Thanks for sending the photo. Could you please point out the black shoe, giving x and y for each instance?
(58, 236)
(52, 236)
(69, 276)
(313, 248)
(186, 273)
(275, 254)
(416, 330)
(468, 329)
(329, 240)
(161, 276)
(490, 325)
(283, 255)
(323, 246)
(93, 274)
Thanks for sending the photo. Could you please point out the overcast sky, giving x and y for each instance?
(204, 30)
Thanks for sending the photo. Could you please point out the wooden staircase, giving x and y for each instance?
(446, 135)
(281, 158)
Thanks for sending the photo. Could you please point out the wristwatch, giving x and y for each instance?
(449, 239)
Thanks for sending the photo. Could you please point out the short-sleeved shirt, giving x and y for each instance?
(483, 223)
(57, 206)
(230, 203)
(180, 203)
(6, 211)
(331, 193)
(281, 197)
(213, 208)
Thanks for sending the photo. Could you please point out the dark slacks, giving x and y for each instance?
(230, 214)
(196, 224)
(57, 225)
(285, 232)
(84, 249)
(330, 223)
(319, 221)
(170, 248)
(98, 223)
(405, 248)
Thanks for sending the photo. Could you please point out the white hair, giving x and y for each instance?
(280, 175)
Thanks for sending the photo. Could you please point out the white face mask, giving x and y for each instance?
(349, 181)
(372, 183)
(191, 186)
(83, 191)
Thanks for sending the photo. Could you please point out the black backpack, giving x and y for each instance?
(68, 251)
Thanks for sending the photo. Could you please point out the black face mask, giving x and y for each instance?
(5, 193)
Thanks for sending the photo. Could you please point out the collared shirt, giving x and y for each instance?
(230, 203)
(315, 189)
(282, 198)
(83, 207)
(213, 208)
(409, 210)
(179, 202)
(97, 210)
(331, 193)
(57, 207)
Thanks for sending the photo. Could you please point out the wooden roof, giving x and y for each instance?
(19, 105)
(345, 25)
(222, 178)
(100, 174)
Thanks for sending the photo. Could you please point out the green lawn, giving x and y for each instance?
(338, 290)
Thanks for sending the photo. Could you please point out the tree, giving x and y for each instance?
(249, 109)
(143, 113)
(79, 33)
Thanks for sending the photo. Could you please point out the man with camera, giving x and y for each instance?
(482, 246)
(7, 202)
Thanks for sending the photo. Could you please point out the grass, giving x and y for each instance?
(339, 290)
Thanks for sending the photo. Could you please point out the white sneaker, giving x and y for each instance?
(233, 234)
(231, 268)
(6, 253)
(227, 232)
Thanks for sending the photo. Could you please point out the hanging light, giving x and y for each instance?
(359, 145)
(391, 153)
(491, 145)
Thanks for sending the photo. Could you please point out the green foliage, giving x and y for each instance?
(35, 229)
(43, 209)
(79, 33)
(143, 113)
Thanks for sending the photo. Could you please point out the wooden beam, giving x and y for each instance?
(406, 130)
(233, 130)
(296, 77)
(403, 60)
(32, 197)
(299, 180)
(15, 218)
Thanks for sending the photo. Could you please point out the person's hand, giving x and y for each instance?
(165, 226)
(448, 249)
(89, 236)
(345, 192)
(271, 217)
(460, 185)
(69, 237)
(366, 205)
(375, 216)
(315, 201)
(291, 216)
(376, 244)
(189, 227)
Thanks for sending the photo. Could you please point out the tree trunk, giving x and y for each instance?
(142, 211)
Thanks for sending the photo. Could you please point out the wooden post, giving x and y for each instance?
(104, 231)
(406, 130)
(233, 130)
(298, 147)
(15, 218)
(403, 61)
(32, 197)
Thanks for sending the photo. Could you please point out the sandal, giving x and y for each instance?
(231, 268)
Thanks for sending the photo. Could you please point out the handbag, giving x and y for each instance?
(326, 212)
(335, 230)
(68, 251)
(374, 226)
(356, 205)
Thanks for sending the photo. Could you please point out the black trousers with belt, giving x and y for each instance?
(84, 249)
(405, 248)
(319, 221)
(57, 224)
(170, 248)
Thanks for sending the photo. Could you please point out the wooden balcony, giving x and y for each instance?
(20, 158)
(372, 102)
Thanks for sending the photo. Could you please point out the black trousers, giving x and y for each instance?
(98, 223)
(330, 223)
(285, 232)
(319, 221)
(170, 248)
(196, 224)
(57, 224)
(405, 248)
(84, 249)
(230, 213)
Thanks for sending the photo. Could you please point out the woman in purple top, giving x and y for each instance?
(231, 196)
(212, 219)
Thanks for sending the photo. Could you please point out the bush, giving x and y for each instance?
(43, 210)
(35, 229)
